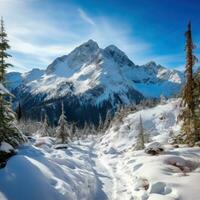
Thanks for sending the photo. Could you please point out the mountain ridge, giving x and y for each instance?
(94, 77)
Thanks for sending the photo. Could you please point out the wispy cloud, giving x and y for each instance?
(36, 40)
(85, 17)
(38, 36)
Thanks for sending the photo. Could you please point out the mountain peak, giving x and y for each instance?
(151, 63)
(90, 44)
(114, 50)
(118, 55)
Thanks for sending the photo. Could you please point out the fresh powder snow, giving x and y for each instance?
(107, 166)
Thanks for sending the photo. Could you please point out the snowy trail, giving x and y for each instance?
(102, 172)
(103, 179)
(117, 177)
(92, 170)
(120, 176)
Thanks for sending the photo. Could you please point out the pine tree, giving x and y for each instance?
(19, 112)
(45, 127)
(189, 115)
(140, 138)
(72, 130)
(8, 131)
(4, 46)
(85, 130)
(62, 131)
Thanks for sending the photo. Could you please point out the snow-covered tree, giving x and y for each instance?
(140, 137)
(63, 129)
(29, 127)
(45, 127)
(162, 99)
(8, 130)
(100, 125)
(72, 130)
(85, 130)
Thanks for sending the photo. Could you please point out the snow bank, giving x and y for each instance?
(158, 122)
(5, 147)
(46, 173)
(173, 174)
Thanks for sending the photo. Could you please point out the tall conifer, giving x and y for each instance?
(190, 119)
(8, 131)
(63, 130)
(4, 46)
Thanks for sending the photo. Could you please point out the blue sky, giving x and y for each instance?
(146, 30)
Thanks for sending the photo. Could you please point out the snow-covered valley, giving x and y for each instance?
(102, 102)
(107, 166)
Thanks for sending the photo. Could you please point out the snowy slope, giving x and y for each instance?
(40, 172)
(107, 167)
(157, 121)
(171, 175)
(15, 79)
(4, 91)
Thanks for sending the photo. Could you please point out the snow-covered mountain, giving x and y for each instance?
(91, 80)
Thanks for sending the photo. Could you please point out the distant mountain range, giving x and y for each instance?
(90, 81)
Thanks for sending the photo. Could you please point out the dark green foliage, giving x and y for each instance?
(190, 99)
(8, 131)
(19, 112)
(142, 137)
(63, 128)
(4, 46)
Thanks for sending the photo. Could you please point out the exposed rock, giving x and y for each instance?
(154, 148)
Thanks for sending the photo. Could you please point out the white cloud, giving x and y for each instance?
(21, 46)
(85, 17)
(37, 39)
(110, 32)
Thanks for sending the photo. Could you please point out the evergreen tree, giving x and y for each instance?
(100, 125)
(189, 115)
(45, 127)
(4, 46)
(85, 130)
(19, 112)
(8, 131)
(73, 130)
(140, 138)
(62, 131)
(162, 99)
